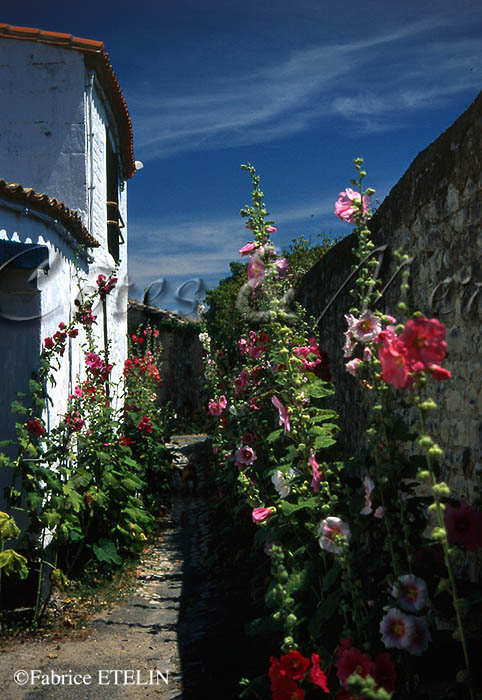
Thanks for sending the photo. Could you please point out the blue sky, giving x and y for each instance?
(296, 87)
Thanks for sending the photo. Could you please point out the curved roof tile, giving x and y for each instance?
(57, 210)
(96, 57)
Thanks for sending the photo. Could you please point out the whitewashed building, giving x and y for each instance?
(66, 153)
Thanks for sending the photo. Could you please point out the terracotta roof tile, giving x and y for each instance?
(57, 210)
(96, 57)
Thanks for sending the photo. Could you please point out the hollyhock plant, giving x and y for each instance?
(284, 414)
(259, 515)
(411, 592)
(348, 205)
(420, 638)
(332, 531)
(310, 355)
(463, 525)
(395, 370)
(271, 229)
(396, 629)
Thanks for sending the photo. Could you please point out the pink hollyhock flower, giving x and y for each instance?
(214, 408)
(439, 373)
(463, 525)
(367, 353)
(284, 414)
(271, 229)
(222, 401)
(256, 351)
(310, 355)
(424, 340)
(255, 403)
(384, 672)
(317, 474)
(75, 421)
(93, 361)
(346, 205)
(351, 661)
(316, 675)
(245, 456)
(369, 486)
(248, 248)
(379, 513)
(411, 592)
(365, 328)
(259, 515)
(34, 427)
(294, 665)
(420, 638)
(256, 270)
(283, 266)
(332, 531)
(243, 345)
(395, 370)
(78, 390)
(396, 629)
(145, 425)
(241, 381)
(352, 367)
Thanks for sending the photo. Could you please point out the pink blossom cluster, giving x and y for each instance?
(97, 367)
(217, 407)
(419, 348)
(310, 355)
(57, 341)
(348, 205)
(74, 420)
(105, 286)
(145, 425)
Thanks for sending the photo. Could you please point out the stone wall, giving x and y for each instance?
(434, 214)
(182, 370)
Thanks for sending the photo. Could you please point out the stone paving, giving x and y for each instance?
(163, 642)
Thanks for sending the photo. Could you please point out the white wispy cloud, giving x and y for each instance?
(318, 82)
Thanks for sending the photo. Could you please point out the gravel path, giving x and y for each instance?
(170, 640)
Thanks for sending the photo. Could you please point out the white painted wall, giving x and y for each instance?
(53, 138)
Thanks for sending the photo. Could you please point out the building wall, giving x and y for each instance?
(435, 215)
(42, 134)
(53, 139)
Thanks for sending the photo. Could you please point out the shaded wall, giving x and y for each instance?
(435, 215)
(182, 370)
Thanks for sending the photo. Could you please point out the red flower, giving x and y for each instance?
(145, 425)
(282, 687)
(34, 427)
(73, 333)
(464, 525)
(294, 665)
(353, 661)
(126, 441)
(49, 343)
(391, 354)
(424, 340)
(316, 675)
(439, 373)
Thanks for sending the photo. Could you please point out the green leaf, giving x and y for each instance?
(318, 389)
(324, 414)
(106, 551)
(331, 577)
(18, 407)
(272, 437)
(290, 508)
(8, 527)
(11, 562)
(323, 441)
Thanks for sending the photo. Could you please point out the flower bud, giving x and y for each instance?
(436, 452)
